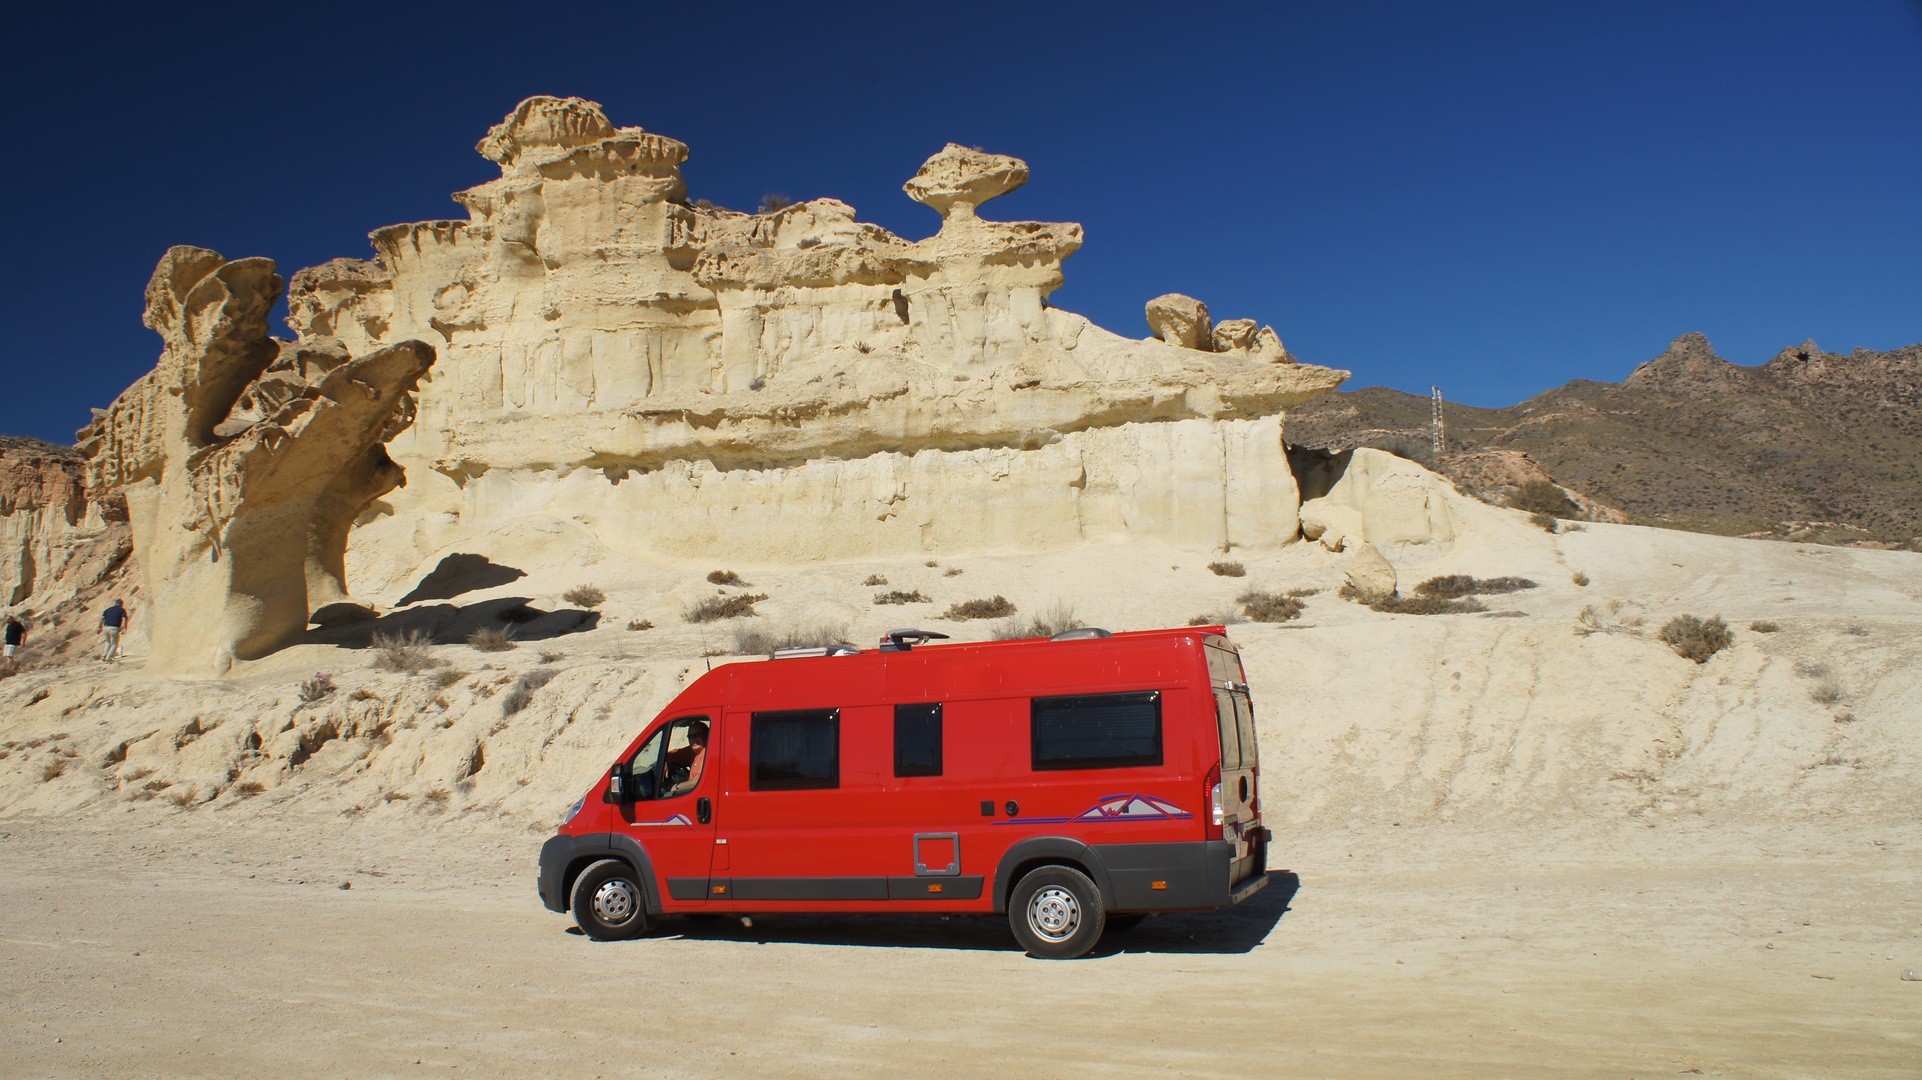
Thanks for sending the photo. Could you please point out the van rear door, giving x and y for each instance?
(1240, 758)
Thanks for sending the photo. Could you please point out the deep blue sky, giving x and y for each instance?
(1493, 197)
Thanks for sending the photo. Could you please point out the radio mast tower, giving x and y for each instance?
(1440, 436)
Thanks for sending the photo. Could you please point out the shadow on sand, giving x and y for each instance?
(1238, 929)
(446, 624)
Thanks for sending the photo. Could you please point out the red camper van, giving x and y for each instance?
(1076, 783)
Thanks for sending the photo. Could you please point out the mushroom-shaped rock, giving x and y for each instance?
(545, 121)
(243, 468)
(957, 180)
(1181, 321)
(1235, 336)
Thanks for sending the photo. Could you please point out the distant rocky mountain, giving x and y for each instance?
(1812, 445)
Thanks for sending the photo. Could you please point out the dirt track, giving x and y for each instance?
(151, 945)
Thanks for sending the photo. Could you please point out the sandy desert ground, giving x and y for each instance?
(1518, 849)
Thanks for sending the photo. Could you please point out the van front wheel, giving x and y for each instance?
(608, 902)
(1056, 913)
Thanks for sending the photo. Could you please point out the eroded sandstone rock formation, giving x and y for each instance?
(622, 368)
(244, 464)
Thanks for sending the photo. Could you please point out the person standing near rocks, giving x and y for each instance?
(16, 636)
(112, 622)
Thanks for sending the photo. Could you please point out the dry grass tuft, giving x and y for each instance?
(492, 639)
(1299, 593)
(1455, 585)
(952, 571)
(548, 656)
(587, 596)
(875, 579)
(1228, 569)
(639, 624)
(1427, 605)
(1696, 639)
(896, 596)
(997, 607)
(249, 787)
(364, 694)
(410, 652)
(1764, 626)
(449, 677)
(1826, 692)
(725, 577)
(1580, 579)
(1268, 607)
(53, 770)
(1547, 523)
(1056, 618)
(1607, 619)
(757, 641)
(321, 685)
(716, 608)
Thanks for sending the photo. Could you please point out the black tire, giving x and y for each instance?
(1055, 913)
(1121, 924)
(608, 902)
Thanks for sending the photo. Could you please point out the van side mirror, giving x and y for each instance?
(619, 784)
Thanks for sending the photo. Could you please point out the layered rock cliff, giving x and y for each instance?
(621, 368)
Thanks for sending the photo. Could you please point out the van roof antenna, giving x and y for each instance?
(906, 639)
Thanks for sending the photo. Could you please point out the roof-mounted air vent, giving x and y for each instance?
(903, 640)
(1082, 633)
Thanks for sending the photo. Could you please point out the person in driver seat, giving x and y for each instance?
(684, 765)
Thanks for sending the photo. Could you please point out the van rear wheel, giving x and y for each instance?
(607, 901)
(1056, 913)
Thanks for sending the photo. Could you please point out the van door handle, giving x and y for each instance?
(703, 810)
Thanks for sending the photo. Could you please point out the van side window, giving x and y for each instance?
(794, 750)
(1096, 731)
(917, 740)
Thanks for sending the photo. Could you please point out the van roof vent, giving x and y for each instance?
(905, 639)
(815, 650)
(1081, 633)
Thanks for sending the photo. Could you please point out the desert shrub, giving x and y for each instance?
(411, 652)
(1228, 569)
(492, 639)
(587, 596)
(952, 571)
(896, 596)
(1826, 692)
(725, 577)
(774, 202)
(1696, 639)
(1419, 451)
(1607, 619)
(449, 677)
(53, 770)
(875, 579)
(535, 678)
(1546, 522)
(1764, 626)
(1451, 586)
(931, 562)
(1543, 497)
(249, 787)
(863, 347)
(757, 641)
(548, 656)
(997, 607)
(639, 624)
(1427, 605)
(1299, 593)
(364, 694)
(1049, 621)
(1580, 579)
(716, 608)
(321, 685)
(1261, 606)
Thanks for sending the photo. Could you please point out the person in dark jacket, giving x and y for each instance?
(112, 622)
(16, 636)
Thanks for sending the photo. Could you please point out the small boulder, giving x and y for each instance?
(1235, 336)
(1370, 575)
(1181, 321)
